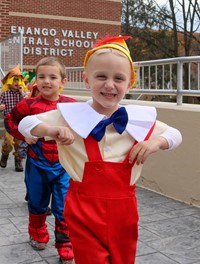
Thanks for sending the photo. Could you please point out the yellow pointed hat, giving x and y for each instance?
(114, 43)
(13, 72)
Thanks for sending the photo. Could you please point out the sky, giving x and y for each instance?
(179, 14)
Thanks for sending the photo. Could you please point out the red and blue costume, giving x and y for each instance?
(44, 175)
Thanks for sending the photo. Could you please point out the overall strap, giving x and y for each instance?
(92, 149)
(146, 138)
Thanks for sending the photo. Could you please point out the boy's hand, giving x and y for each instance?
(21, 90)
(2, 107)
(31, 140)
(61, 134)
(142, 150)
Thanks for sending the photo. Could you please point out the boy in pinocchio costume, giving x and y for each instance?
(13, 91)
(103, 146)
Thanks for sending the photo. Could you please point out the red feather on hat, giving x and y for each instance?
(109, 39)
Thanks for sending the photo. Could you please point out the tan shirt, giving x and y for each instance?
(113, 147)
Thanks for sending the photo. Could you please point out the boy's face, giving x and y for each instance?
(15, 84)
(108, 76)
(49, 81)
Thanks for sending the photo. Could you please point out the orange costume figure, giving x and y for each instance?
(13, 91)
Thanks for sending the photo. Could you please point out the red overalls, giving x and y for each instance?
(101, 211)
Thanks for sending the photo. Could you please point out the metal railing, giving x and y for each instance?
(175, 77)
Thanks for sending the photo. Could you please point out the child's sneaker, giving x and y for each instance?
(65, 252)
(64, 261)
(37, 245)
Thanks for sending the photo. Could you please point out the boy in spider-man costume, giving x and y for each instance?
(44, 175)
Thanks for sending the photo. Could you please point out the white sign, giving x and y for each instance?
(64, 46)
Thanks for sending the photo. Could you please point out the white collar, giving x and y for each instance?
(82, 118)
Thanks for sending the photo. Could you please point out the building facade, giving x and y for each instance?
(63, 28)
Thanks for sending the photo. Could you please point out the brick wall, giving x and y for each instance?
(58, 27)
(4, 18)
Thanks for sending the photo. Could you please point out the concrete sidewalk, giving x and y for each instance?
(169, 231)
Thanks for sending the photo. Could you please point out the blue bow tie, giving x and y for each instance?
(119, 119)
